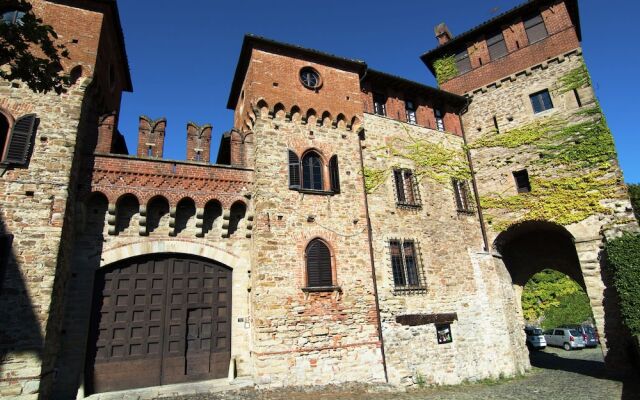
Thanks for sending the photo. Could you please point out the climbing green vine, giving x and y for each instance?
(577, 78)
(431, 160)
(563, 200)
(573, 172)
(445, 68)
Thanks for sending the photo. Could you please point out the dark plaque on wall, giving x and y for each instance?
(424, 319)
(443, 332)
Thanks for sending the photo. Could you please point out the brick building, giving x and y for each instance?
(356, 226)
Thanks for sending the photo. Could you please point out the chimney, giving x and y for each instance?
(106, 128)
(198, 142)
(442, 33)
(151, 136)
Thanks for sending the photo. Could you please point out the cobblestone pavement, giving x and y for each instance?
(557, 375)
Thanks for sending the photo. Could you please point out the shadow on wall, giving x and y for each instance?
(19, 327)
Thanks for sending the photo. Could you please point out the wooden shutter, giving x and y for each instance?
(20, 140)
(294, 171)
(399, 278)
(334, 174)
(497, 47)
(535, 29)
(318, 264)
(397, 175)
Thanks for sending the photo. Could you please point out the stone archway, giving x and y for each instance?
(532, 246)
(159, 319)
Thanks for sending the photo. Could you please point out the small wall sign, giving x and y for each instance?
(443, 332)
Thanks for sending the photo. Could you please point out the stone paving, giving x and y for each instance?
(557, 375)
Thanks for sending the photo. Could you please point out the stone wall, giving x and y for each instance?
(574, 173)
(457, 275)
(303, 337)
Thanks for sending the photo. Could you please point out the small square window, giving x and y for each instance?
(439, 119)
(522, 181)
(541, 101)
(410, 109)
(380, 104)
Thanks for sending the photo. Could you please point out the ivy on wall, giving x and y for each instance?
(623, 255)
(580, 155)
(445, 68)
(634, 194)
(431, 160)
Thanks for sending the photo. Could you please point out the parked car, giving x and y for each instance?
(589, 334)
(535, 338)
(566, 338)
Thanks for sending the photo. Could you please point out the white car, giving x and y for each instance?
(535, 338)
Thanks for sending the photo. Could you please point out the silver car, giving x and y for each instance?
(535, 338)
(566, 338)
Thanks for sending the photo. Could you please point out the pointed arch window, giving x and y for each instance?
(318, 264)
(312, 171)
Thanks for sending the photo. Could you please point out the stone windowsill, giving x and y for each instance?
(313, 191)
(320, 289)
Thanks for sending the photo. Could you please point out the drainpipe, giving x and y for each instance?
(485, 240)
(373, 268)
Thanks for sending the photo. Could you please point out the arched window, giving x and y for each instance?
(318, 259)
(312, 171)
(4, 133)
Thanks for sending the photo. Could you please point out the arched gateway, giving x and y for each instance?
(159, 319)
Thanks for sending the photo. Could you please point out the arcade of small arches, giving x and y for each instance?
(159, 216)
(309, 117)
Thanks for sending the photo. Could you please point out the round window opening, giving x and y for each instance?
(310, 78)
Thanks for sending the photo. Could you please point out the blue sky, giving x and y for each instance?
(183, 54)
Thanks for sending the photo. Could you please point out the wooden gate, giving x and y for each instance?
(158, 320)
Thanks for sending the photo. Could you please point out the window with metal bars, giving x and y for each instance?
(380, 104)
(541, 101)
(318, 263)
(410, 109)
(463, 195)
(535, 29)
(404, 264)
(407, 193)
(439, 119)
(497, 46)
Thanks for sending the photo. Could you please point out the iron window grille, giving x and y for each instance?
(410, 109)
(535, 29)
(405, 265)
(380, 104)
(522, 181)
(497, 46)
(407, 193)
(463, 62)
(541, 101)
(439, 119)
(463, 197)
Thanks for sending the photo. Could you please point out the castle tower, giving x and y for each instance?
(40, 183)
(151, 136)
(544, 159)
(313, 304)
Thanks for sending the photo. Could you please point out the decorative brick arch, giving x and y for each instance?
(145, 247)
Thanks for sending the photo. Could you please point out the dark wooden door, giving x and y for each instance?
(160, 319)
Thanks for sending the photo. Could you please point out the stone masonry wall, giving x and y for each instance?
(306, 338)
(457, 275)
(508, 100)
